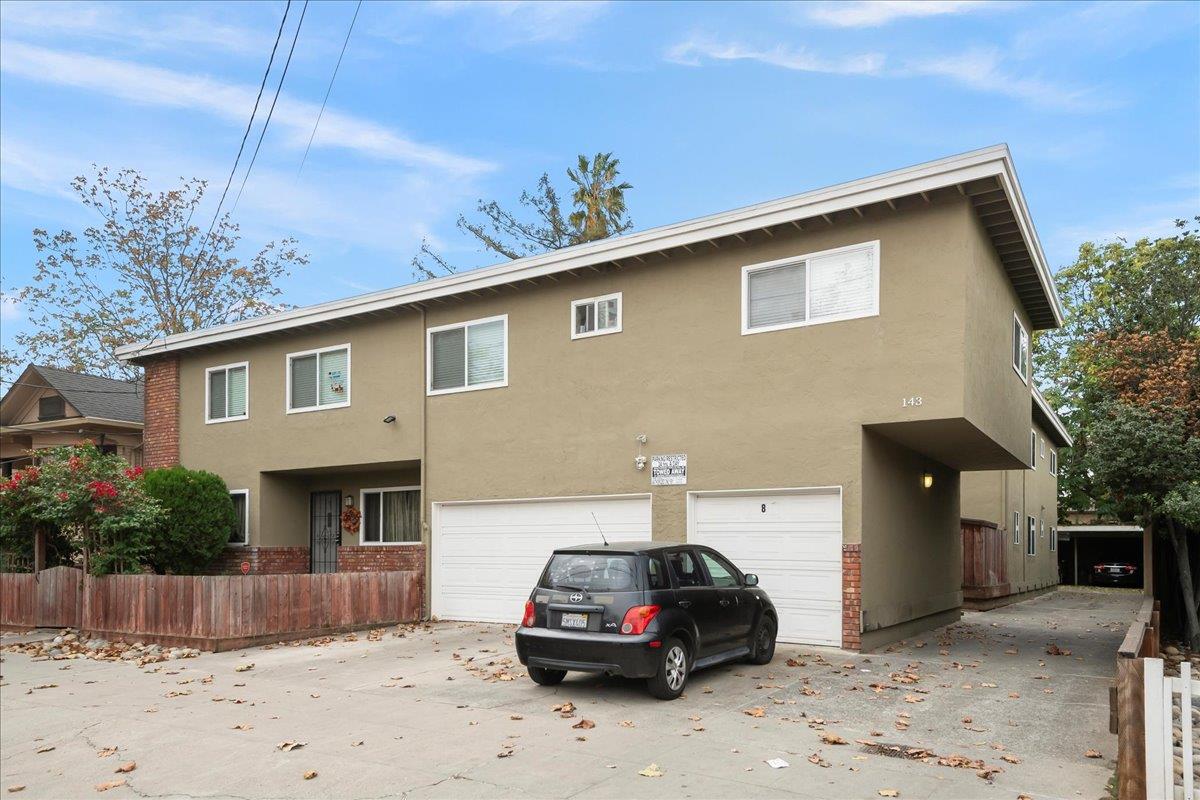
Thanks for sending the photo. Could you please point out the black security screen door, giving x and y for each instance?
(325, 510)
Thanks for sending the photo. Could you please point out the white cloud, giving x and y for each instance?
(146, 85)
(692, 53)
(1151, 221)
(874, 13)
(10, 309)
(984, 71)
(509, 23)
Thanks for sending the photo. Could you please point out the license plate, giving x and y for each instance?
(573, 621)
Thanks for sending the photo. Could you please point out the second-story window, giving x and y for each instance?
(819, 287)
(52, 406)
(467, 356)
(318, 379)
(1033, 449)
(227, 392)
(595, 316)
(1053, 462)
(1020, 348)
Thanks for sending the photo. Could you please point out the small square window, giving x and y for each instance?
(51, 407)
(1020, 349)
(228, 392)
(318, 379)
(596, 316)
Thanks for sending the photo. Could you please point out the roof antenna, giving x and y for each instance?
(599, 529)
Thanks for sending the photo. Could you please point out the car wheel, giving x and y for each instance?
(547, 677)
(674, 665)
(762, 646)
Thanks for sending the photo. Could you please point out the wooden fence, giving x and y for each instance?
(211, 612)
(985, 563)
(1159, 705)
(1127, 701)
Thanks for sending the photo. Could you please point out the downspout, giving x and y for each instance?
(426, 533)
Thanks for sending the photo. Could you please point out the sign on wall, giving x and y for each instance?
(668, 470)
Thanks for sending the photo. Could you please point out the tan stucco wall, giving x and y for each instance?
(994, 496)
(912, 548)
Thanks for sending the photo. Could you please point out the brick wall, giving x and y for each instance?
(360, 558)
(161, 433)
(263, 560)
(851, 596)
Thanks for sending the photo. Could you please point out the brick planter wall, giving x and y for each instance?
(367, 558)
(851, 596)
(160, 436)
(263, 560)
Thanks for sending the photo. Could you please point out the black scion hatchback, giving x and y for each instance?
(643, 610)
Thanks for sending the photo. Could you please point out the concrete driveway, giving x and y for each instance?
(444, 710)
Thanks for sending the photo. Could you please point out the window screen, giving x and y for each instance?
(227, 393)
(334, 375)
(216, 394)
(320, 379)
(776, 296)
(448, 351)
(485, 353)
(822, 287)
(304, 382)
(471, 355)
(842, 285)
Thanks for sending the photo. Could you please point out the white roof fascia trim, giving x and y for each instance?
(978, 164)
(1053, 417)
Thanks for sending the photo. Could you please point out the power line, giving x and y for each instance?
(329, 89)
(271, 111)
(73, 391)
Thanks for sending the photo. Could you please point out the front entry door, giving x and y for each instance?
(325, 510)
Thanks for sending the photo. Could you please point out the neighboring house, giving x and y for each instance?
(797, 383)
(1010, 518)
(49, 407)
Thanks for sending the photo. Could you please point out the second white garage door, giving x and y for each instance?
(488, 555)
(793, 541)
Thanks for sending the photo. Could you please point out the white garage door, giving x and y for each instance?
(793, 542)
(487, 556)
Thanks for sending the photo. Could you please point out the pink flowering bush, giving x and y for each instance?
(94, 500)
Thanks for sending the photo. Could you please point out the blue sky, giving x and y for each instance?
(708, 106)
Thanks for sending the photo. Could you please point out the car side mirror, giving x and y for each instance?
(751, 580)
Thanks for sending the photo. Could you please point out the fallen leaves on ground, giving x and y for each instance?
(289, 745)
(1055, 650)
(627, 723)
(651, 771)
(244, 667)
(106, 752)
(584, 724)
(889, 792)
(308, 776)
(832, 738)
(243, 726)
(757, 711)
(45, 749)
(566, 709)
(1010, 759)
(18, 787)
(1090, 753)
(815, 758)
(129, 766)
(104, 787)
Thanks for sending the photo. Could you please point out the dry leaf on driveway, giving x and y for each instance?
(816, 759)
(308, 776)
(585, 724)
(626, 723)
(832, 738)
(242, 727)
(106, 752)
(1010, 759)
(757, 711)
(289, 746)
(566, 709)
(19, 787)
(651, 771)
(104, 787)
(45, 749)
(244, 667)
(129, 766)
(1090, 753)
(889, 792)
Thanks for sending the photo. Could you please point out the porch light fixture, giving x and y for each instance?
(349, 500)
(389, 419)
(927, 480)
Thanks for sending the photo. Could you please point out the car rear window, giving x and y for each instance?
(593, 573)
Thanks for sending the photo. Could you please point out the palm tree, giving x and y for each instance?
(599, 200)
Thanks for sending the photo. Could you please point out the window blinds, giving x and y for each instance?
(842, 285)
(334, 377)
(776, 295)
(304, 382)
(485, 353)
(216, 394)
(448, 350)
(235, 382)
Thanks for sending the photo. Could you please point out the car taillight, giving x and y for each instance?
(1129, 569)
(637, 618)
(528, 619)
(1099, 568)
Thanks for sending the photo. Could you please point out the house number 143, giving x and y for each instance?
(909, 402)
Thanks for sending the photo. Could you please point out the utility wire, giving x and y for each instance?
(271, 111)
(329, 89)
(73, 391)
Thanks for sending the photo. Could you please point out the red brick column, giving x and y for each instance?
(381, 558)
(160, 437)
(851, 596)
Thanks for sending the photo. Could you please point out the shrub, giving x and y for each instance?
(199, 516)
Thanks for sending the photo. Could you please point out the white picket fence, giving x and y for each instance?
(1159, 696)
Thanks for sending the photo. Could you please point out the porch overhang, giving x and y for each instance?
(954, 442)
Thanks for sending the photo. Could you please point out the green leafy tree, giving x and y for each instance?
(96, 500)
(597, 211)
(195, 528)
(146, 269)
(1125, 373)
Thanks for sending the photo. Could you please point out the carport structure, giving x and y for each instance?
(1082, 546)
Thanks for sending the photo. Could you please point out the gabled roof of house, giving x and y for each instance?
(987, 177)
(1049, 421)
(93, 396)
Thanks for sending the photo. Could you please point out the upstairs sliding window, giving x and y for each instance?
(819, 287)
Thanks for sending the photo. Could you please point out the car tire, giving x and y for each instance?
(674, 667)
(762, 643)
(547, 677)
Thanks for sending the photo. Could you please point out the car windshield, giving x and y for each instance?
(592, 573)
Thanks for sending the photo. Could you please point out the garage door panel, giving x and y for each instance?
(488, 555)
(793, 542)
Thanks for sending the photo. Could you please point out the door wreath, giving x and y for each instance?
(351, 517)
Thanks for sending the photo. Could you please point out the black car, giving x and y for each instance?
(643, 610)
(1115, 573)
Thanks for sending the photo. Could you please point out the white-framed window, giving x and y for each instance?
(1016, 527)
(227, 392)
(1053, 538)
(1053, 462)
(1020, 349)
(1033, 449)
(811, 289)
(240, 533)
(596, 316)
(1031, 537)
(467, 356)
(390, 515)
(318, 379)
(1042, 446)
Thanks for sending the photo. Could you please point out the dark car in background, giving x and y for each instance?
(647, 610)
(1116, 573)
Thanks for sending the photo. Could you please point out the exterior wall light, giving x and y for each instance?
(389, 419)
(640, 462)
(927, 480)
(349, 500)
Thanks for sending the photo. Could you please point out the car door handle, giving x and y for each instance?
(724, 602)
(684, 604)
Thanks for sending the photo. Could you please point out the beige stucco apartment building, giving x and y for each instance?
(798, 383)
(1010, 518)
